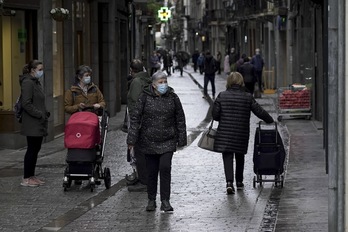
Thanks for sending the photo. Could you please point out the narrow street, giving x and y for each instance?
(198, 184)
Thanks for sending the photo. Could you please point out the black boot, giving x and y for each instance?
(165, 206)
(151, 205)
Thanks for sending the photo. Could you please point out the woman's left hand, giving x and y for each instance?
(96, 106)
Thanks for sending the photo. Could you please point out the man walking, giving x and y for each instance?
(209, 74)
(140, 80)
(258, 63)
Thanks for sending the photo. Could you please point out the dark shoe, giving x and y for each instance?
(230, 188)
(165, 206)
(139, 187)
(151, 205)
(240, 186)
(205, 96)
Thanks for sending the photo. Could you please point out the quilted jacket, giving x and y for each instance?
(232, 108)
(158, 123)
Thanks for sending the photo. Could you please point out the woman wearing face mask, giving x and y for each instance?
(84, 93)
(34, 119)
(158, 127)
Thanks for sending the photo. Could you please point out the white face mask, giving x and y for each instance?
(39, 74)
(86, 80)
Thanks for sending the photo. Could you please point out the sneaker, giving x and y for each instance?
(230, 188)
(37, 180)
(240, 186)
(139, 187)
(28, 182)
(151, 205)
(165, 206)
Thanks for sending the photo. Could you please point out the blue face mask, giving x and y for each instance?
(162, 88)
(86, 80)
(39, 74)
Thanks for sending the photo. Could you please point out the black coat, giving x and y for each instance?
(248, 72)
(34, 116)
(158, 123)
(232, 109)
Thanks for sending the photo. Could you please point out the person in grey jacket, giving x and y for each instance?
(232, 108)
(34, 119)
(158, 127)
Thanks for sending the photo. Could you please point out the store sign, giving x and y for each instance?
(164, 14)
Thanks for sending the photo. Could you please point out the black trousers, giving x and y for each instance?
(259, 78)
(250, 86)
(30, 158)
(207, 78)
(161, 164)
(228, 165)
(141, 165)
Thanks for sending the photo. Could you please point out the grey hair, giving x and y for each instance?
(158, 75)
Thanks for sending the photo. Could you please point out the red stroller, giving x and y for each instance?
(85, 141)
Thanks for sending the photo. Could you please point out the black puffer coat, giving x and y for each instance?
(232, 109)
(158, 123)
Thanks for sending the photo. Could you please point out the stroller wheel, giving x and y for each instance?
(107, 178)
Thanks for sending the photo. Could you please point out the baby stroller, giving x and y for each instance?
(269, 154)
(85, 141)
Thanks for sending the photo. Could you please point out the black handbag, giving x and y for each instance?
(208, 138)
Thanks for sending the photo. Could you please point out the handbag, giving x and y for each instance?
(208, 138)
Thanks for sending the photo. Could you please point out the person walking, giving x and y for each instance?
(180, 61)
(34, 119)
(195, 56)
(218, 62)
(167, 62)
(141, 79)
(248, 72)
(227, 66)
(232, 110)
(83, 93)
(258, 63)
(209, 74)
(233, 59)
(154, 62)
(200, 63)
(158, 127)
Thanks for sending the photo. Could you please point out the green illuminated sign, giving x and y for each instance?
(164, 13)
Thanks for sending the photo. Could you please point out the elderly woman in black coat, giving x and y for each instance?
(158, 127)
(232, 109)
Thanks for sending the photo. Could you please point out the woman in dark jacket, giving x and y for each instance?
(158, 127)
(232, 109)
(34, 119)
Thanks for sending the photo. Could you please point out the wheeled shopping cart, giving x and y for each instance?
(269, 154)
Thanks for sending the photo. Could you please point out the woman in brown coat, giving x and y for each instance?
(34, 119)
(84, 93)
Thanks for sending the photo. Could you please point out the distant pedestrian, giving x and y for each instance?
(158, 127)
(181, 62)
(227, 66)
(209, 74)
(154, 62)
(34, 119)
(200, 63)
(167, 62)
(258, 63)
(141, 79)
(249, 76)
(232, 109)
(233, 59)
(240, 61)
(195, 56)
(218, 62)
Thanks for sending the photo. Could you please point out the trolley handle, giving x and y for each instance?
(275, 129)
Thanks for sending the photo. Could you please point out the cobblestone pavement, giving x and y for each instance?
(198, 186)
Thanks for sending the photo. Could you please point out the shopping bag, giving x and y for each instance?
(208, 138)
